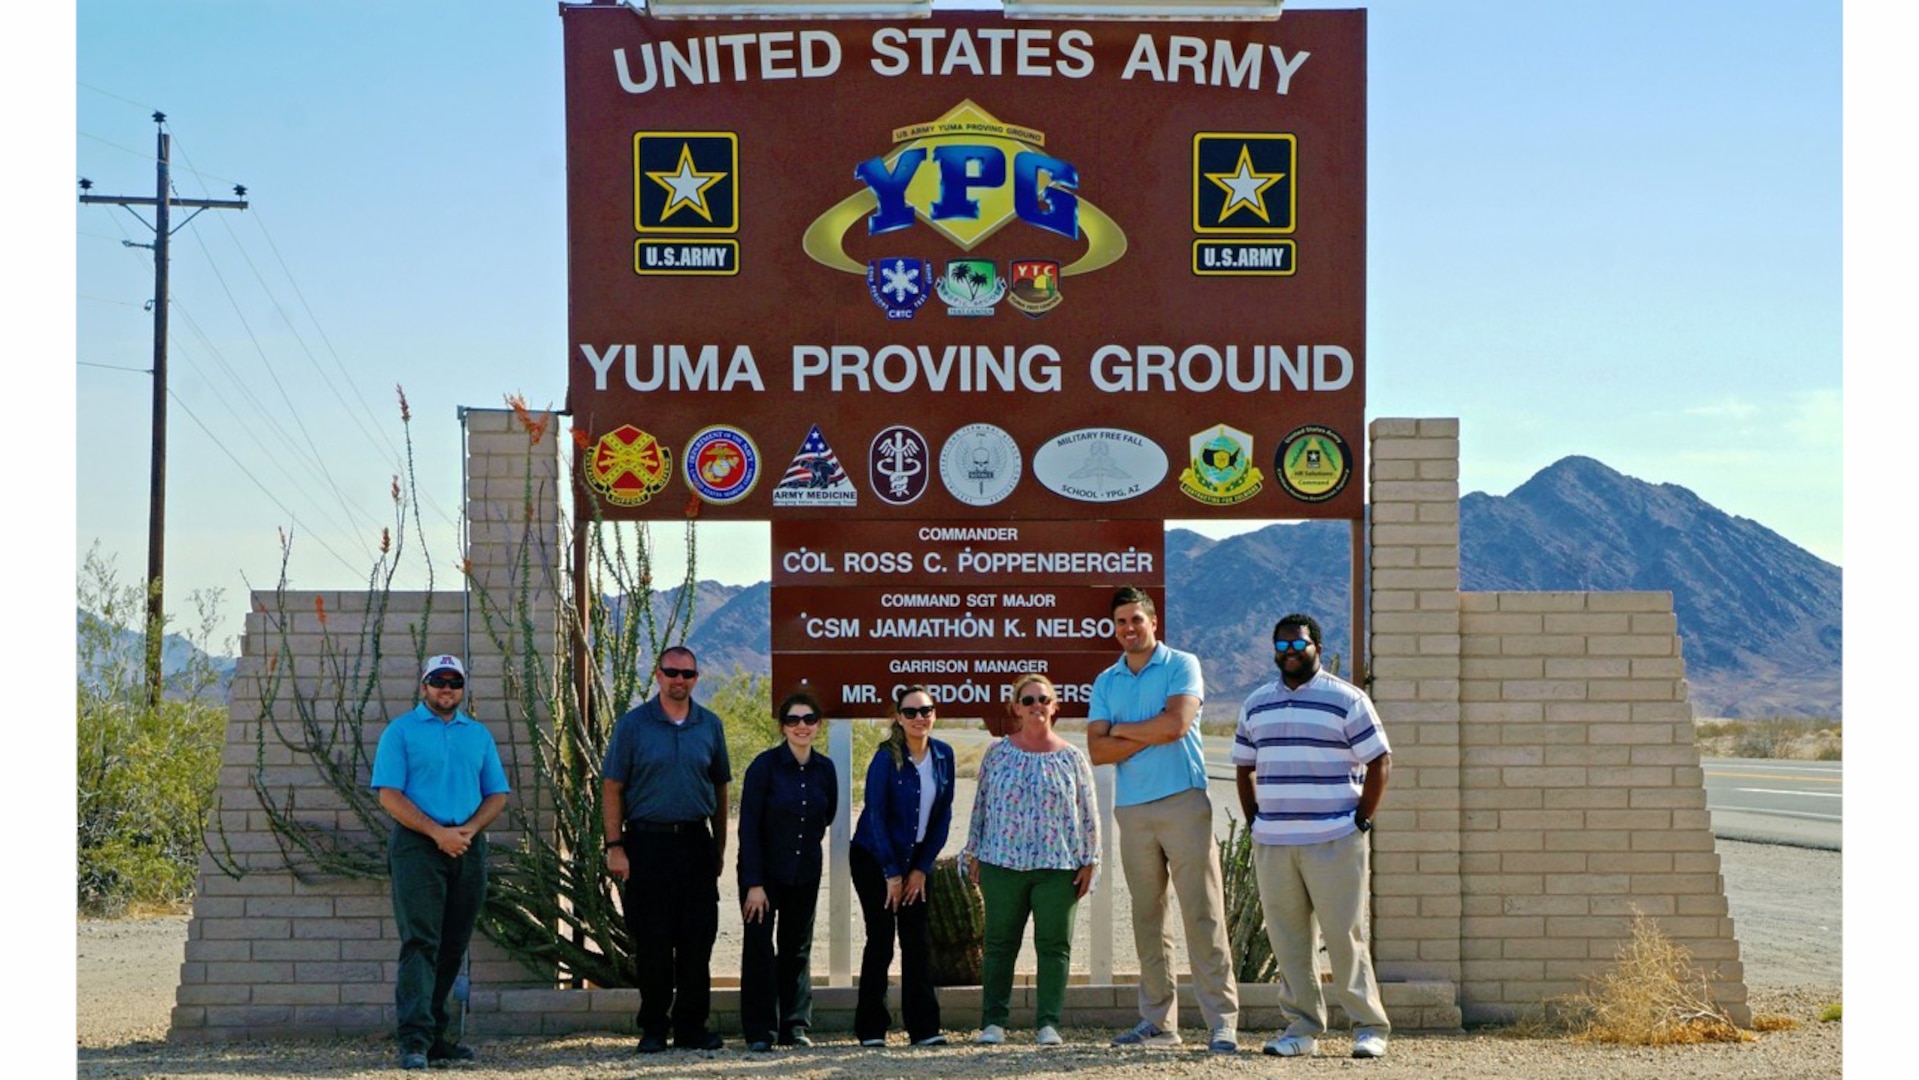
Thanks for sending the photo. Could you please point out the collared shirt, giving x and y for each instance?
(668, 771)
(1309, 748)
(444, 767)
(1124, 697)
(785, 808)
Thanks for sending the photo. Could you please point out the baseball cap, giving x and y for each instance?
(443, 662)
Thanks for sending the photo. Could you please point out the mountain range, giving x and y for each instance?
(1759, 616)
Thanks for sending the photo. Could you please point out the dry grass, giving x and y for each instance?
(1773, 1022)
(1651, 996)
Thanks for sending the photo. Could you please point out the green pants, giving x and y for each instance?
(1010, 895)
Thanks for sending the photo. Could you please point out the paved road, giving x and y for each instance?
(1775, 802)
(1761, 802)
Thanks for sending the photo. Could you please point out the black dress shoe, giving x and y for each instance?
(652, 1044)
(708, 1041)
(760, 1046)
(798, 1038)
(443, 1052)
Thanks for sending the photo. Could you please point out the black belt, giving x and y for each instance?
(666, 826)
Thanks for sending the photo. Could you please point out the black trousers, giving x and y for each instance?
(436, 901)
(776, 972)
(672, 911)
(917, 1000)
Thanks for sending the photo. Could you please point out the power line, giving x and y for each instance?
(264, 490)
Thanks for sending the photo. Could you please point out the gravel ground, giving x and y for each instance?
(1785, 900)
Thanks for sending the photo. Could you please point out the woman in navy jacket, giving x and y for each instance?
(903, 826)
(788, 799)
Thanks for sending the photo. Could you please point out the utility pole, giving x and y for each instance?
(162, 202)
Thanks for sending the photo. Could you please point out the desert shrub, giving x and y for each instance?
(1831, 1013)
(745, 706)
(145, 774)
(1650, 996)
(1773, 1022)
(1253, 960)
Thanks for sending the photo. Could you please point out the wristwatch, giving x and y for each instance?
(611, 844)
(1363, 824)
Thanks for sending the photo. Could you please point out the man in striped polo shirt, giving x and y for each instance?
(1312, 763)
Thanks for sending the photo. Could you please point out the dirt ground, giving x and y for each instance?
(1786, 902)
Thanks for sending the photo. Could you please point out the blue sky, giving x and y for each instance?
(1604, 230)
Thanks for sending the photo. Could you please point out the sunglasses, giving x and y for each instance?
(1295, 645)
(1042, 699)
(798, 718)
(680, 673)
(911, 712)
(446, 682)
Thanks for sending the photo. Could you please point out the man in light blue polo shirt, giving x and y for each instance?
(439, 775)
(1144, 718)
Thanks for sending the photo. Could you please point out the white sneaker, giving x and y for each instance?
(1292, 1046)
(1224, 1040)
(991, 1035)
(1369, 1045)
(1048, 1036)
(1146, 1033)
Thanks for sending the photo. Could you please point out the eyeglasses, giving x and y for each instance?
(446, 682)
(1042, 699)
(680, 673)
(1294, 645)
(798, 718)
(911, 712)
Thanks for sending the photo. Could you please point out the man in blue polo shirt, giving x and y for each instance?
(1312, 765)
(438, 774)
(1144, 718)
(663, 804)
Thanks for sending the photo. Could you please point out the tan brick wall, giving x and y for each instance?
(1551, 768)
(275, 952)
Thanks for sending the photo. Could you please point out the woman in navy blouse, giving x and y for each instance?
(909, 809)
(787, 800)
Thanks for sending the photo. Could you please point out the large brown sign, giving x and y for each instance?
(966, 267)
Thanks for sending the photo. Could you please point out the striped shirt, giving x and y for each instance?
(1308, 749)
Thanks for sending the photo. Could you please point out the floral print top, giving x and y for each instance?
(1034, 811)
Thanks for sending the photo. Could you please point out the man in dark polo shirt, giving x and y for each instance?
(663, 800)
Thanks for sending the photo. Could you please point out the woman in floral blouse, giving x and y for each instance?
(1032, 847)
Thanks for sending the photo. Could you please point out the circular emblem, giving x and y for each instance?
(722, 464)
(1099, 465)
(898, 462)
(628, 466)
(980, 464)
(1313, 463)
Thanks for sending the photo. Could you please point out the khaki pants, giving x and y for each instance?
(1306, 885)
(1171, 840)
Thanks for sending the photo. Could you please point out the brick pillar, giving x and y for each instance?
(1415, 669)
(515, 553)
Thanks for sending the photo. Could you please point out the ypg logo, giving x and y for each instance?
(967, 175)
